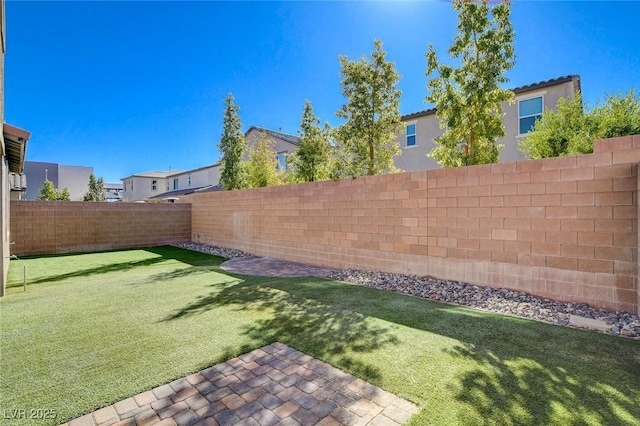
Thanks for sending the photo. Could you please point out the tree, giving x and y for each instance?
(618, 116)
(96, 189)
(467, 98)
(48, 192)
(311, 161)
(367, 139)
(232, 146)
(262, 167)
(572, 127)
(565, 131)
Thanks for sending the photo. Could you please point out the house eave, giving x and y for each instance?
(517, 90)
(15, 142)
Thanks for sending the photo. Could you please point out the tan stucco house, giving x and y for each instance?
(141, 186)
(284, 143)
(171, 184)
(530, 102)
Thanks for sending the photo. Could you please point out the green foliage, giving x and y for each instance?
(619, 116)
(569, 130)
(262, 167)
(48, 192)
(366, 141)
(232, 146)
(467, 98)
(563, 131)
(311, 161)
(96, 189)
(64, 195)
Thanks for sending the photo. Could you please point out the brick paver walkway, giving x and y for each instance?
(268, 267)
(274, 385)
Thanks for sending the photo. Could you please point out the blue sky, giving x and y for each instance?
(128, 87)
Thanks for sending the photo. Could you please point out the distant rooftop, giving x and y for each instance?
(521, 89)
(283, 136)
(187, 191)
(161, 175)
(292, 139)
(210, 166)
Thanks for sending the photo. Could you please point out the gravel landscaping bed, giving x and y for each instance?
(215, 250)
(499, 300)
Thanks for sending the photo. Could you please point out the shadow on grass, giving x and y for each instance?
(184, 272)
(98, 270)
(522, 390)
(298, 321)
(510, 370)
(162, 255)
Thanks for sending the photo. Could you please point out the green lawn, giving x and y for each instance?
(96, 328)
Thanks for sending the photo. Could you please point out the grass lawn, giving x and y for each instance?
(97, 328)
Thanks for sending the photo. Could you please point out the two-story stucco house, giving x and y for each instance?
(141, 186)
(530, 102)
(283, 143)
(171, 184)
(189, 181)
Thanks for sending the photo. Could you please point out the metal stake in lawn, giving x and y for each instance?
(24, 275)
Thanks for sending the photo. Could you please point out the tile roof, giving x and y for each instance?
(292, 139)
(517, 90)
(176, 192)
(547, 83)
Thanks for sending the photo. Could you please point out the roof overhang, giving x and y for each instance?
(574, 78)
(15, 142)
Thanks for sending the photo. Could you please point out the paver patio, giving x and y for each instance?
(273, 385)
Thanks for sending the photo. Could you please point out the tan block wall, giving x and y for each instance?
(563, 228)
(49, 227)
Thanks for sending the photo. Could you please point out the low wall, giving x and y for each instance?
(49, 227)
(563, 228)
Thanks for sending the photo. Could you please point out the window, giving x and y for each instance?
(282, 162)
(175, 183)
(411, 134)
(154, 185)
(189, 180)
(529, 110)
(167, 184)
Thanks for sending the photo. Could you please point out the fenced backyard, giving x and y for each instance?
(96, 328)
(563, 228)
(93, 329)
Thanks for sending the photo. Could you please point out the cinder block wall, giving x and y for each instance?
(564, 228)
(49, 227)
